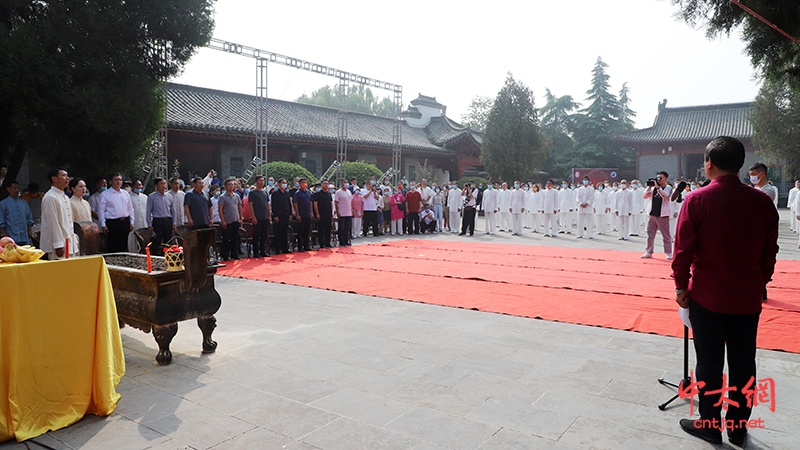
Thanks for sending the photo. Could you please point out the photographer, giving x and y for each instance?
(469, 209)
(658, 191)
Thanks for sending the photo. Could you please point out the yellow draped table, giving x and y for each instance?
(60, 347)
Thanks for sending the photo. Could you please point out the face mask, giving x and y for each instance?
(634, 185)
(624, 186)
(563, 186)
(585, 182)
(600, 188)
(754, 179)
(283, 185)
(127, 189)
(318, 189)
(386, 182)
(527, 189)
(694, 186)
(516, 186)
(437, 190)
(270, 183)
(615, 188)
(216, 194)
(396, 191)
(138, 191)
(297, 184)
(103, 188)
(247, 191)
(86, 196)
(346, 185)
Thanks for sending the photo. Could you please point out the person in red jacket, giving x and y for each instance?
(413, 203)
(722, 264)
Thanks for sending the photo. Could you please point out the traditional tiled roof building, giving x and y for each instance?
(676, 141)
(211, 128)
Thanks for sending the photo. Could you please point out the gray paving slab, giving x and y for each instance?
(301, 368)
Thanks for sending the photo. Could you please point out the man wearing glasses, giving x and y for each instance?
(659, 194)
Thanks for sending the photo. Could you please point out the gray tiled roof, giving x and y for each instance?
(208, 110)
(443, 131)
(427, 101)
(695, 123)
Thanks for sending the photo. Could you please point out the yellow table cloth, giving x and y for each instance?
(60, 347)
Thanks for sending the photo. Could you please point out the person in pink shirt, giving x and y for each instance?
(358, 213)
(397, 214)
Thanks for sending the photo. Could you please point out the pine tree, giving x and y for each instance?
(514, 147)
(557, 124)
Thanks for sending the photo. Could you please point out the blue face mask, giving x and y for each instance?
(516, 186)
(490, 187)
(600, 188)
(585, 182)
(317, 189)
(86, 196)
(563, 186)
(103, 188)
(270, 183)
(138, 191)
(247, 191)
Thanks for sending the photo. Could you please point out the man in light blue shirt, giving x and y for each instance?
(16, 218)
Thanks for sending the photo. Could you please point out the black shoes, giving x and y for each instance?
(738, 437)
(710, 434)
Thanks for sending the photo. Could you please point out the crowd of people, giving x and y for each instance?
(354, 210)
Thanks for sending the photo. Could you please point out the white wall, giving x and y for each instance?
(650, 164)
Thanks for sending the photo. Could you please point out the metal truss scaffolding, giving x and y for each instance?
(264, 57)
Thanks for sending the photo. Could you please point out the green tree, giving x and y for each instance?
(597, 124)
(80, 80)
(558, 122)
(359, 99)
(284, 169)
(363, 171)
(775, 118)
(477, 113)
(514, 147)
(773, 54)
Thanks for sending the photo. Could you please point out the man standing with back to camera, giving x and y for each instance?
(724, 298)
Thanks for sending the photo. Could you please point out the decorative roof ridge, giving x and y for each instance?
(711, 107)
(426, 100)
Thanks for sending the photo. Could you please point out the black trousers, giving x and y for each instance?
(230, 241)
(468, 221)
(430, 227)
(345, 230)
(281, 230)
(713, 333)
(412, 222)
(371, 220)
(304, 234)
(324, 230)
(118, 230)
(162, 230)
(260, 237)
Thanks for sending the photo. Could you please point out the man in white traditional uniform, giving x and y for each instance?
(623, 210)
(637, 216)
(585, 200)
(601, 208)
(612, 205)
(454, 206)
(57, 218)
(790, 206)
(490, 206)
(505, 205)
(177, 201)
(537, 208)
(517, 209)
(550, 205)
(566, 201)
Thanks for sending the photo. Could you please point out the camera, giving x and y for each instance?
(651, 182)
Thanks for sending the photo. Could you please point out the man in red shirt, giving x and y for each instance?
(413, 203)
(725, 248)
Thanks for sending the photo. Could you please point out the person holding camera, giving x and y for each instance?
(469, 209)
(658, 192)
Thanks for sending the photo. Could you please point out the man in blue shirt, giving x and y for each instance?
(16, 218)
(303, 213)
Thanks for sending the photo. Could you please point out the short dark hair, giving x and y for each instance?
(259, 177)
(759, 167)
(53, 172)
(158, 180)
(195, 180)
(726, 153)
(35, 186)
(115, 174)
(174, 179)
(98, 179)
(302, 179)
(74, 182)
(229, 180)
(12, 181)
(281, 179)
(666, 175)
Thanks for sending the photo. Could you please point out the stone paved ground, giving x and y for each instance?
(301, 368)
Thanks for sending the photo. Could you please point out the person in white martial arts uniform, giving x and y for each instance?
(584, 197)
(624, 210)
(505, 204)
(637, 212)
(490, 206)
(537, 208)
(601, 208)
(527, 218)
(790, 206)
(517, 208)
(454, 205)
(612, 206)
(566, 200)
(550, 206)
(797, 212)
(574, 189)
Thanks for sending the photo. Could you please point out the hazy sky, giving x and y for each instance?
(455, 51)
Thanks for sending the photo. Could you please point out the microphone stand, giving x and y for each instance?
(685, 382)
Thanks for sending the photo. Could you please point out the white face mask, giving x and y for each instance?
(624, 186)
(283, 185)
(754, 179)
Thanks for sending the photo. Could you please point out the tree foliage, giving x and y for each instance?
(773, 54)
(558, 122)
(514, 147)
(363, 171)
(477, 113)
(359, 99)
(79, 80)
(284, 169)
(775, 120)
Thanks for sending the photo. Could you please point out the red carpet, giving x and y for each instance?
(606, 288)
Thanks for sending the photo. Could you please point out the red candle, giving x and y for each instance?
(149, 260)
(66, 249)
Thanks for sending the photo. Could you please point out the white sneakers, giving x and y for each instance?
(647, 255)
(669, 256)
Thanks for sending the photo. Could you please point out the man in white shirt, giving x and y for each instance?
(177, 201)
(425, 191)
(343, 205)
(505, 205)
(115, 212)
(454, 205)
(566, 200)
(623, 210)
(427, 220)
(537, 208)
(637, 194)
(139, 202)
(585, 200)
(370, 194)
(550, 206)
(490, 206)
(57, 225)
(793, 193)
(517, 209)
(100, 185)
